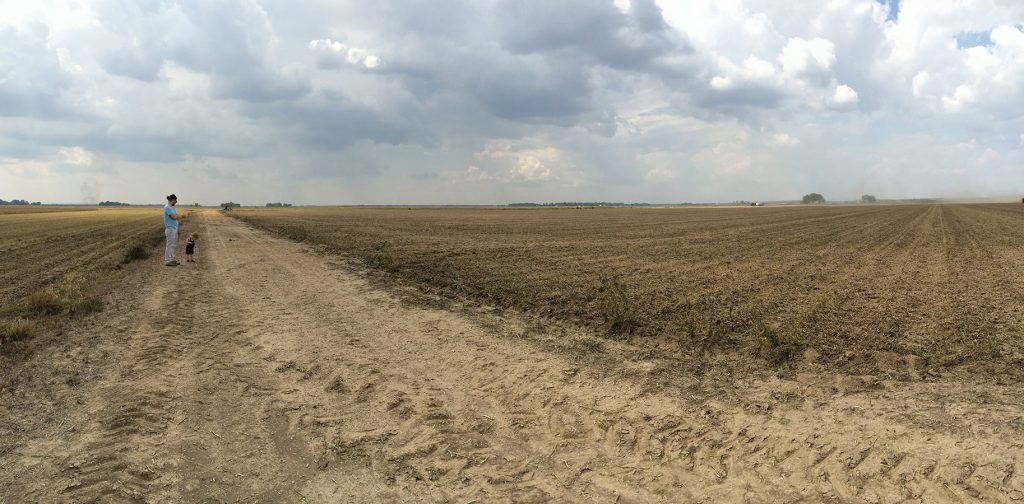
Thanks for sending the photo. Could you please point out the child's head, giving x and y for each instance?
(194, 236)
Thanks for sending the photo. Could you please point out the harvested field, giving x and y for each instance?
(23, 209)
(890, 288)
(43, 243)
(266, 372)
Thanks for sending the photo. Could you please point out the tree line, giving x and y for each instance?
(818, 198)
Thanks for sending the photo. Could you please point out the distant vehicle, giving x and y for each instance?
(756, 203)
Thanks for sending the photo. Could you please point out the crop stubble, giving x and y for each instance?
(40, 244)
(888, 287)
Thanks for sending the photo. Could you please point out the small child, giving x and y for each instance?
(190, 247)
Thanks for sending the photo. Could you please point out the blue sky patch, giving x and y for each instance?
(968, 39)
(894, 9)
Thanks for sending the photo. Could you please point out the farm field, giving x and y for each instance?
(897, 289)
(23, 209)
(39, 244)
(270, 371)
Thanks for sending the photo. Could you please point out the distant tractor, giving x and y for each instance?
(757, 203)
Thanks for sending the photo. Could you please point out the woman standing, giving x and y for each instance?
(170, 229)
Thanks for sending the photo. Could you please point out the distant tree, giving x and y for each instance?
(230, 204)
(813, 198)
(113, 203)
(868, 198)
(37, 202)
(278, 205)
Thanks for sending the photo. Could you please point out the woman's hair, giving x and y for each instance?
(169, 198)
(194, 235)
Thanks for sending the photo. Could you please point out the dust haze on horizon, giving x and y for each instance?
(498, 101)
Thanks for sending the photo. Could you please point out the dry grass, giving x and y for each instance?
(44, 302)
(72, 294)
(136, 252)
(857, 284)
(16, 329)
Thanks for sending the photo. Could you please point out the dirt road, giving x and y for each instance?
(268, 373)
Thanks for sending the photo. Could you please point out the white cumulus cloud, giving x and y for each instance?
(75, 156)
(524, 163)
(961, 98)
(333, 53)
(843, 97)
(808, 59)
(785, 139)
(919, 83)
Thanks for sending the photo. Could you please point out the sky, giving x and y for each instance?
(498, 101)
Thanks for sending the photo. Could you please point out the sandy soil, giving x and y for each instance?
(268, 373)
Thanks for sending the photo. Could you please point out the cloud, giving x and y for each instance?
(75, 156)
(475, 174)
(334, 54)
(230, 41)
(920, 83)
(987, 157)
(529, 99)
(808, 60)
(843, 97)
(32, 79)
(961, 97)
(600, 33)
(530, 167)
(785, 139)
(523, 163)
(661, 172)
(336, 123)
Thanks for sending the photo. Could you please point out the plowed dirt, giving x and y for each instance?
(270, 373)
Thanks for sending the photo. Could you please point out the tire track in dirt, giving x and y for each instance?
(130, 414)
